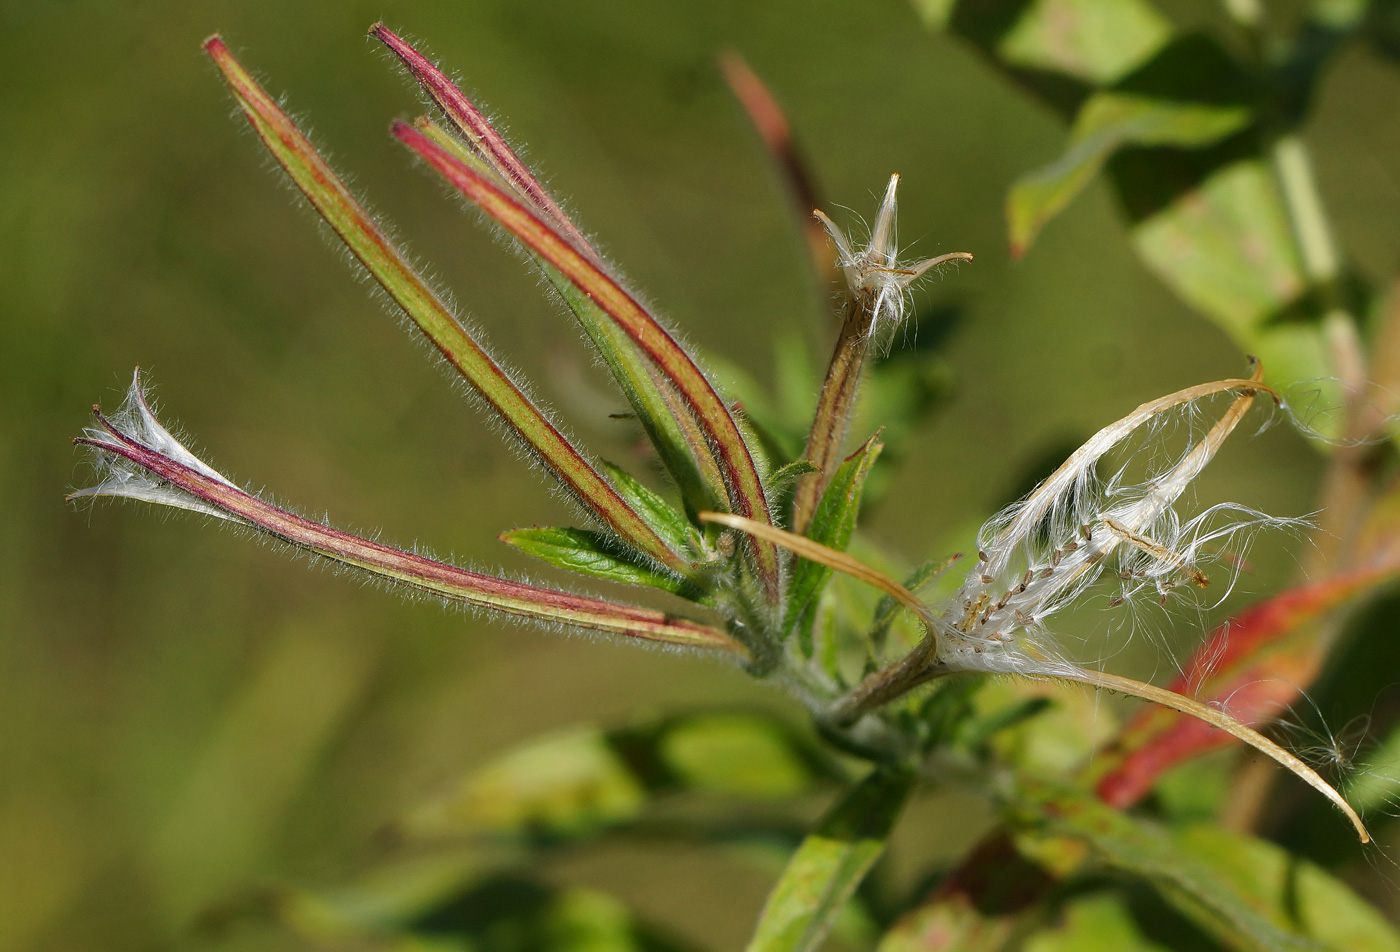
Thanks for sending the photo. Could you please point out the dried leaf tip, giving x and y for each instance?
(874, 274)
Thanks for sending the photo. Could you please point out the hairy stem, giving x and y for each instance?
(837, 394)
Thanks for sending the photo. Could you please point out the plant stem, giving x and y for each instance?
(834, 407)
(1346, 485)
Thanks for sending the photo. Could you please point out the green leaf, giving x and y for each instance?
(1292, 892)
(934, 13)
(1107, 122)
(736, 754)
(577, 783)
(669, 524)
(887, 608)
(564, 785)
(392, 270)
(1099, 923)
(1055, 825)
(1208, 219)
(1093, 40)
(559, 792)
(492, 911)
(589, 553)
(829, 865)
(779, 479)
(831, 525)
(1227, 248)
(1377, 782)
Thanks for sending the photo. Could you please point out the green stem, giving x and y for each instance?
(1346, 485)
(1320, 258)
(834, 403)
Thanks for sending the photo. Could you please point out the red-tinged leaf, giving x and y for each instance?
(333, 201)
(975, 907)
(736, 462)
(1254, 666)
(212, 493)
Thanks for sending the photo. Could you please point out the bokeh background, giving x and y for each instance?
(184, 713)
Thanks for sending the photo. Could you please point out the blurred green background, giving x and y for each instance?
(183, 713)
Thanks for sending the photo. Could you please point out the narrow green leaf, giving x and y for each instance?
(1292, 892)
(668, 423)
(672, 526)
(736, 460)
(589, 553)
(887, 608)
(737, 755)
(1100, 923)
(1054, 824)
(391, 269)
(564, 785)
(576, 784)
(1093, 40)
(783, 475)
(829, 865)
(427, 906)
(831, 525)
(1107, 122)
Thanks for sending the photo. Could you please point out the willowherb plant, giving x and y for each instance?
(715, 540)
